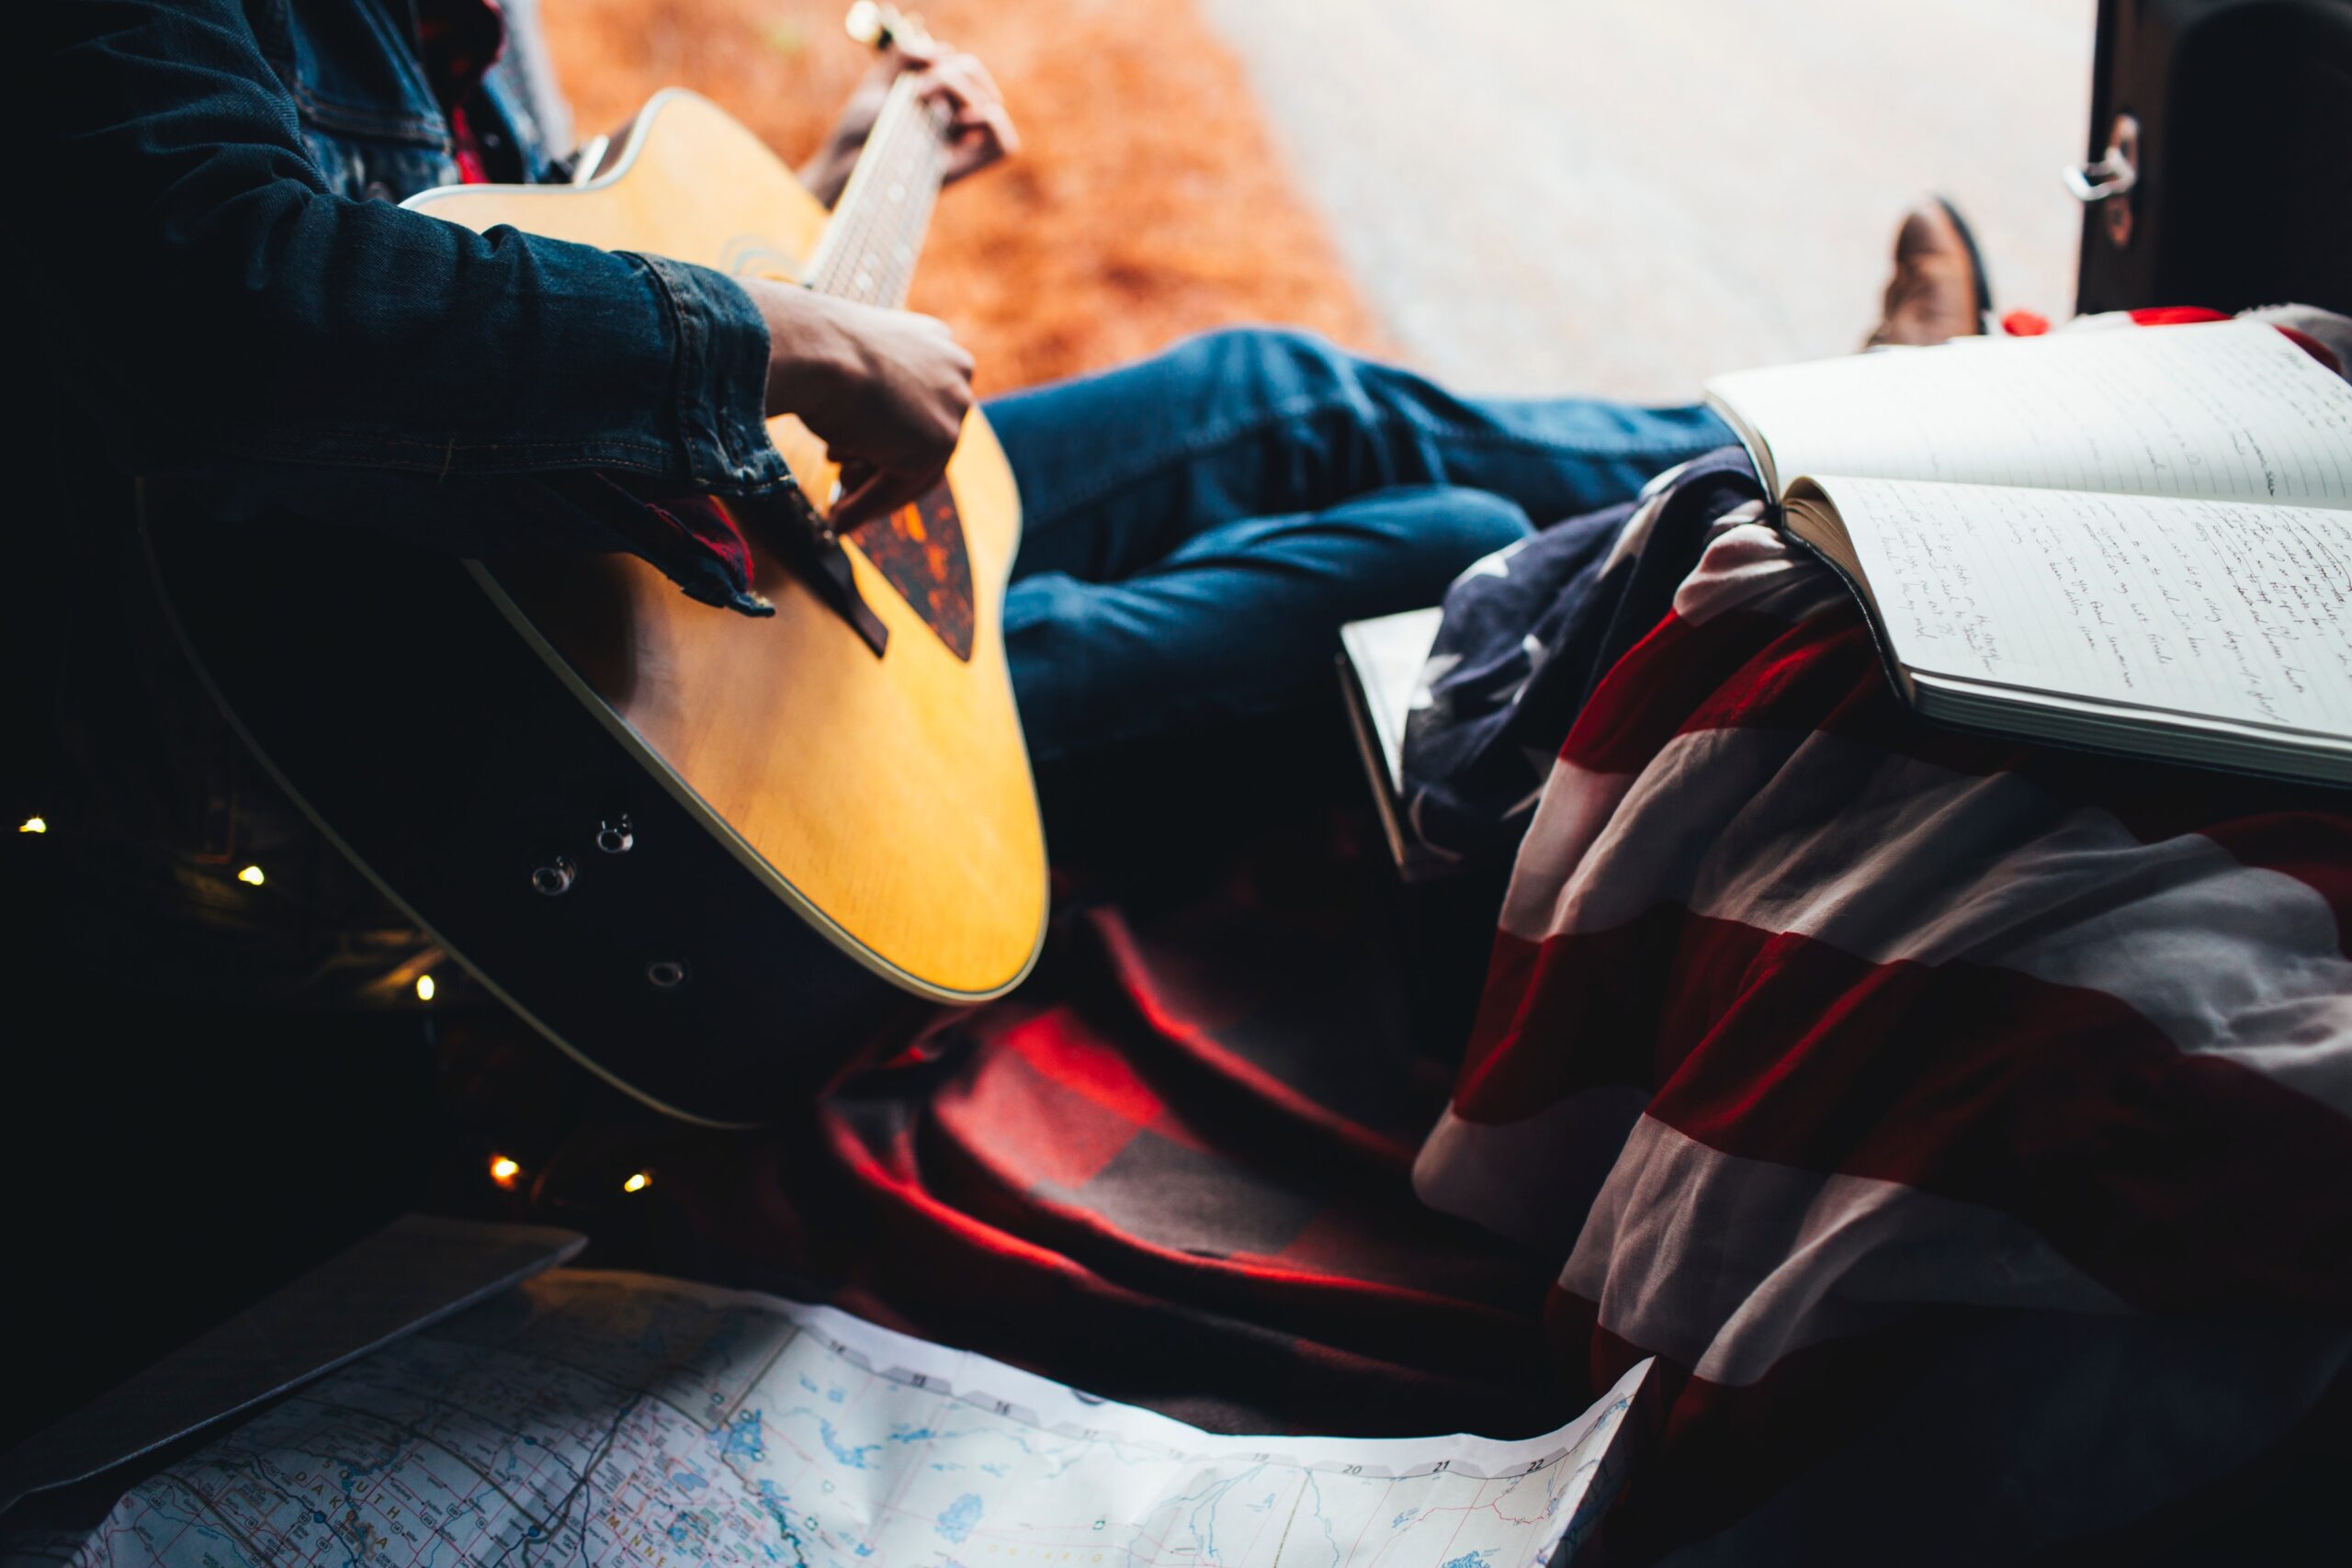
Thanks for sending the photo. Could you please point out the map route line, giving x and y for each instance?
(1445, 1553)
(1251, 1550)
(1371, 1514)
(930, 1444)
(1290, 1518)
(579, 1489)
(417, 1435)
(227, 1525)
(1493, 1506)
(262, 1469)
(784, 1342)
(213, 1508)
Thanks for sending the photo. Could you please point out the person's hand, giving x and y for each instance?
(981, 132)
(885, 390)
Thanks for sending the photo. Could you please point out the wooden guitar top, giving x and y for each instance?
(887, 799)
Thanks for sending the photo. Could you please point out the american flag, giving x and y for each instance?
(1962, 1123)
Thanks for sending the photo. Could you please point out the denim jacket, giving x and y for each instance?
(237, 300)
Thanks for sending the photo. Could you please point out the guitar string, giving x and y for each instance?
(869, 251)
(917, 161)
(875, 259)
(839, 243)
(846, 239)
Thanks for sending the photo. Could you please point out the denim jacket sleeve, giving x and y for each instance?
(224, 315)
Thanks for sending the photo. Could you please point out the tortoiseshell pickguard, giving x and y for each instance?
(919, 551)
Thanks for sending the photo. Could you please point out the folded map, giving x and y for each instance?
(621, 1419)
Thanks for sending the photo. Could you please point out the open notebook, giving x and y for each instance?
(2133, 540)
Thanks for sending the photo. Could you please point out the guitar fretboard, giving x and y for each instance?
(869, 249)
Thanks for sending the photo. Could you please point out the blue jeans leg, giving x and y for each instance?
(1121, 472)
(1239, 620)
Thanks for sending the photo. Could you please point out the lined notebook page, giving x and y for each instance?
(2226, 609)
(2224, 409)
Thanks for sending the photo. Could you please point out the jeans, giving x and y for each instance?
(1199, 525)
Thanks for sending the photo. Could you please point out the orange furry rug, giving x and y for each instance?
(1147, 201)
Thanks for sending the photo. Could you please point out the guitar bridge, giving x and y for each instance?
(812, 550)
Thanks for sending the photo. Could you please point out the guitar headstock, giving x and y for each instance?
(884, 26)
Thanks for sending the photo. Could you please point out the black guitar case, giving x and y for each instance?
(2236, 116)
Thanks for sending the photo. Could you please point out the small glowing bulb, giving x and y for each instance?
(32, 824)
(250, 876)
(503, 1170)
(637, 1183)
(424, 988)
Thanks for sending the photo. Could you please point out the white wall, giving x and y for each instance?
(1621, 196)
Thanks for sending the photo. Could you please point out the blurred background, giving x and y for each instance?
(1615, 197)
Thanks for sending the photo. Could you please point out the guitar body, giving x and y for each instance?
(813, 833)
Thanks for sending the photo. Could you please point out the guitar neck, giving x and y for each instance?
(869, 249)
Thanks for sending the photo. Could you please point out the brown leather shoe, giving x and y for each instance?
(1938, 289)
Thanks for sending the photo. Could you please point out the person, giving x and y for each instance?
(249, 315)
(300, 343)
(252, 314)
(233, 300)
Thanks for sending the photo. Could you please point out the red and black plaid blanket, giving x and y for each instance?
(1175, 1169)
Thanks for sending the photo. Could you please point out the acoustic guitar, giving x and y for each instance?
(707, 855)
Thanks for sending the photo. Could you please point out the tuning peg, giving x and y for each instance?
(878, 26)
